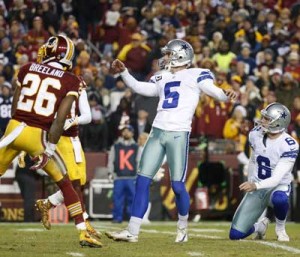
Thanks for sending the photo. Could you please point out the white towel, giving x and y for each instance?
(77, 149)
(12, 135)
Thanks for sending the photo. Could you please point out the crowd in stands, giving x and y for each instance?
(251, 46)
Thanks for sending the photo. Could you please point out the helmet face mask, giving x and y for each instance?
(176, 53)
(275, 118)
(57, 49)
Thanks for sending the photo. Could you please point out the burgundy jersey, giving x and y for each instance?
(43, 88)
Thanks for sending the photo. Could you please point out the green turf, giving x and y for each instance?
(156, 239)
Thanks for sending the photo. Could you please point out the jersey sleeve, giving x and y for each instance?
(142, 88)
(74, 86)
(205, 79)
(290, 149)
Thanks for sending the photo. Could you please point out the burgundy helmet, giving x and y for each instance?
(57, 49)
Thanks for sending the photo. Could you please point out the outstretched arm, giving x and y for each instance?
(142, 88)
(209, 88)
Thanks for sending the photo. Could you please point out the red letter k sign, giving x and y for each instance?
(124, 159)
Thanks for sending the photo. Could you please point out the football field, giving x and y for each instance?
(206, 238)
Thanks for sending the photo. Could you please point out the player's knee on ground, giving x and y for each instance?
(236, 235)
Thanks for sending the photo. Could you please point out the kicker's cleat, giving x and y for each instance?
(85, 239)
(93, 232)
(43, 206)
(282, 236)
(182, 235)
(262, 229)
(123, 235)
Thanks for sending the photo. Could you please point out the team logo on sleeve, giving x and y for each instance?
(158, 77)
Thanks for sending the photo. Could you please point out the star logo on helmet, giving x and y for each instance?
(184, 47)
(283, 115)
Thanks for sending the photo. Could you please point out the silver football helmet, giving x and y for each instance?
(278, 116)
(179, 52)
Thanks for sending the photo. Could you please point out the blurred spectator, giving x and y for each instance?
(134, 55)
(233, 127)
(16, 33)
(108, 28)
(150, 24)
(275, 78)
(118, 119)
(116, 94)
(36, 37)
(7, 50)
(215, 42)
(109, 80)
(210, 117)
(295, 130)
(94, 135)
(295, 111)
(293, 65)
(5, 106)
(125, 33)
(287, 90)
(122, 163)
(281, 45)
(142, 123)
(245, 58)
(250, 89)
(47, 12)
(223, 56)
(83, 63)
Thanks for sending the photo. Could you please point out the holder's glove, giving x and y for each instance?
(71, 122)
(42, 159)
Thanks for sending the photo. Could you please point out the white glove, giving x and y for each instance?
(159, 175)
(71, 122)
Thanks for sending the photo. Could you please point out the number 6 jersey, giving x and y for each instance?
(267, 153)
(43, 87)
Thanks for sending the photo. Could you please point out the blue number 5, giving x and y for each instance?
(171, 98)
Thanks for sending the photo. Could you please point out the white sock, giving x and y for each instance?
(146, 215)
(85, 215)
(81, 226)
(56, 198)
(256, 227)
(134, 225)
(182, 221)
(280, 224)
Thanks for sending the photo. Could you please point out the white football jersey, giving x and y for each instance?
(268, 152)
(179, 95)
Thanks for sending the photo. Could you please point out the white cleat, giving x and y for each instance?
(262, 229)
(182, 235)
(123, 235)
(282, 236)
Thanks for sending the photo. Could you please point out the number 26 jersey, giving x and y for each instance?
(43, 87)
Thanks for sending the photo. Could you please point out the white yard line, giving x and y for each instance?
(270, 244)
(195, 254)
(280, 246)
(31, 229)
(206, 230)
(75, 254)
